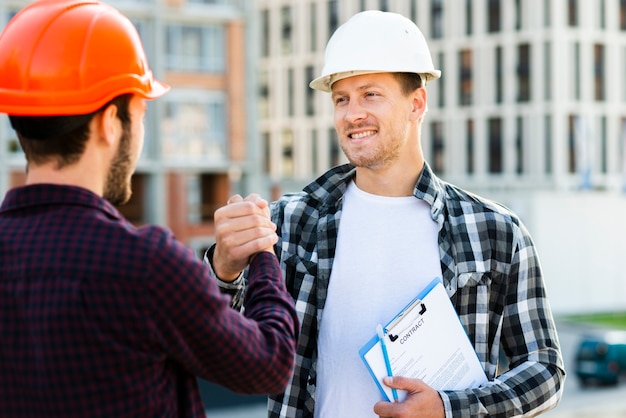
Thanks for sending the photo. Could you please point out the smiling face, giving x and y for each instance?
(377, 124)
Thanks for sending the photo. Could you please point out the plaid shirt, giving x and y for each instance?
(102, 319)
(491, 273)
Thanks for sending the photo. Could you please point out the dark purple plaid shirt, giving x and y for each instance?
(99, 318)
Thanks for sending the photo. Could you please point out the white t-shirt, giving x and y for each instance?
(386, 253)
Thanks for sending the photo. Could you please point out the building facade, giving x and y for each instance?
(532, 92)
(195, 145)
(530, 111)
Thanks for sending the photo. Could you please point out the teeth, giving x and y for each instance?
(362, 134)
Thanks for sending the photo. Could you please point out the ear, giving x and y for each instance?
(108, 125)
(419, 103)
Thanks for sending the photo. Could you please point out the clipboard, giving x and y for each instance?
(425, 340)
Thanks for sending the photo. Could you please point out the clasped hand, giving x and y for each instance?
(242, 229)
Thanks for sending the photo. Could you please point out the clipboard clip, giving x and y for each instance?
(402, 315)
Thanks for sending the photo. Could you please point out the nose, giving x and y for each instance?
(355, 111)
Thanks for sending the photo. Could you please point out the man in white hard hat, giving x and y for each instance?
(361, 241)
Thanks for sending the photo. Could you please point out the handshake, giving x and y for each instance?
(243, 228)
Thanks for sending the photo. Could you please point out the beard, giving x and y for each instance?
(117, 188)
(375, 155)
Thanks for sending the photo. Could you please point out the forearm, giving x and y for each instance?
(527, 390)
(235, 289)
(269, 304)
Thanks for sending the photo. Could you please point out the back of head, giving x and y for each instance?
(71, 57)
(375, 42)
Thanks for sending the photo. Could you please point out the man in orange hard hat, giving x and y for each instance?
(99, 318)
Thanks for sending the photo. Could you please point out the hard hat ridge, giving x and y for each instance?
(373, 42)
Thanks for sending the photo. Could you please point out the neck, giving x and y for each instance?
(82, 174)
(395, 179)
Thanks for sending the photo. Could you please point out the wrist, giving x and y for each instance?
(221, 276)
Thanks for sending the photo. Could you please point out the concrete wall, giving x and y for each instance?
(581, 239)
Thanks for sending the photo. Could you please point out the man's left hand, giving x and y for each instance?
(422, 401)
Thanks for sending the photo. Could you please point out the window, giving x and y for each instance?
(264, 95)
(195, 48)
(267, 152)
(286, 24)
(523, 73)
(194, 129)
(571, 144)
(287, 153)
(384, 6)
(465, 77)
(265, 33)
(468, 17)
(547, 13)
(413, 11)
(469, 132)
(205, 193)
(493, 16)
(547, 71)
(495, 145)
(314, 151)
(499, 76)
(572, 12)
(441, 84)
(518, 15)
(436, 23)
(622, 14)
(601, 15)
(437, 147)
(313, 27)
(576, 69)
(604, 158)
(309, 94)
(333, 16)
(519, 145)
(598, 61)
(291, 105)
(548, 144)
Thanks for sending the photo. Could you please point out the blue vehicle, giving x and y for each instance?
(601, 359)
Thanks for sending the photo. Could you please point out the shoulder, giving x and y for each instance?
(325, 192)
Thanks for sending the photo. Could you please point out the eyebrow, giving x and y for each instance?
(366, 86)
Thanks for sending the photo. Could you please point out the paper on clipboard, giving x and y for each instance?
(426, 340)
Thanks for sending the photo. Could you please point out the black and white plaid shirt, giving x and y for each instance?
(491, 273)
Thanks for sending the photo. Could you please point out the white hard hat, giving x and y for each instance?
(375, 42)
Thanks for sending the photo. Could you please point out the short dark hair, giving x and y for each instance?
(61, 138)
(409, 82)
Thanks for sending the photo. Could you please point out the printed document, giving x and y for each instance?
(426, 340)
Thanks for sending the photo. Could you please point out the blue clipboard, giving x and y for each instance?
(415, 303)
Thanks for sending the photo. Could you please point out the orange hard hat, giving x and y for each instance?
(71, 57)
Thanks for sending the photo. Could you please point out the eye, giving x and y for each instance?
(340, 100)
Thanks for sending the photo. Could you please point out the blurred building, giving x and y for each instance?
(532, 93)
(195, 147)
(530, 111)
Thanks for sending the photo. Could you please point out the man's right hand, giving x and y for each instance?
(242, 229)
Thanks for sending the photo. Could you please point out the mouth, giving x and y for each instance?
(361, 135)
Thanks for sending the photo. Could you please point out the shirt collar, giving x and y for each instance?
(332, 185)
(29, 196)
